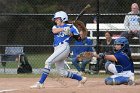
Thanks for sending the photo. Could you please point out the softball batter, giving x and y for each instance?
(62, 35)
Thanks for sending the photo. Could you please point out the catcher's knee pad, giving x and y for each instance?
(110, 67)
(107, 65)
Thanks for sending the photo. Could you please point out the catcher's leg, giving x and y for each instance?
(110, 67)
(116, 80)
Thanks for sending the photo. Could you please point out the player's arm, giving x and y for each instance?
(76, 37)
(57, 30)
(107, 57)
(75, 33)
(111, 58)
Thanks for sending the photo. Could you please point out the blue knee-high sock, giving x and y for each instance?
(44, 75)
(74, 76)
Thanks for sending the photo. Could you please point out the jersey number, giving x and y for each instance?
(61, 34)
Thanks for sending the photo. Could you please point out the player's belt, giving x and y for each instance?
(58, 44)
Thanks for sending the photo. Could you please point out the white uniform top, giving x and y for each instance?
(132, 22)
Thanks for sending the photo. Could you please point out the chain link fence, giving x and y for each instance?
(27, 24)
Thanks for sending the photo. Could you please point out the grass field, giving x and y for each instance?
(36, 61)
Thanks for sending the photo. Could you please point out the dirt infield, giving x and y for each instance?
(93, 85)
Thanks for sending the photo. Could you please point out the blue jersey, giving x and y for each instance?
(61, 37)
(84, 48)
(124, 61)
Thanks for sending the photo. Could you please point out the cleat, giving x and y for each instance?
(82, 82)
(131, 81)
(37, 85)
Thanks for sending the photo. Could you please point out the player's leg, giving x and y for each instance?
(65, 73)
(125, 77)
(130, 75)
(110, 67)
(60, 53)
(68, 74)
(76, 64)
(84, 63)
(116, 80)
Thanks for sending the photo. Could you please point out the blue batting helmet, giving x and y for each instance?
(121, 41)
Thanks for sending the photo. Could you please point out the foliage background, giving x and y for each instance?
(28, 22)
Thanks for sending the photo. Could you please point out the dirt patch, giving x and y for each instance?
(63, 85)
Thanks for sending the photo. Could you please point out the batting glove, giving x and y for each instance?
(101, 55)
(66, 30)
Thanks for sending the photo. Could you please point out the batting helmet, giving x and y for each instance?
(63, 15)
(122, 41)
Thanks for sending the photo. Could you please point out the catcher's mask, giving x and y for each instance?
(61, 14)
(123, 42)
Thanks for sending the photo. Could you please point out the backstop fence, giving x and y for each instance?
(29, 27)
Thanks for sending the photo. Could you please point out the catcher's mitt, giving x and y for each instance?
(85, 55)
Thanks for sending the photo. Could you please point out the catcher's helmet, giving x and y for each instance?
(122, 41)
(63, 15)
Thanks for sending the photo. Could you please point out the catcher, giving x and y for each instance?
(82, 51)
(119, 64)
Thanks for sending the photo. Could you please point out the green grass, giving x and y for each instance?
(36, 61)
